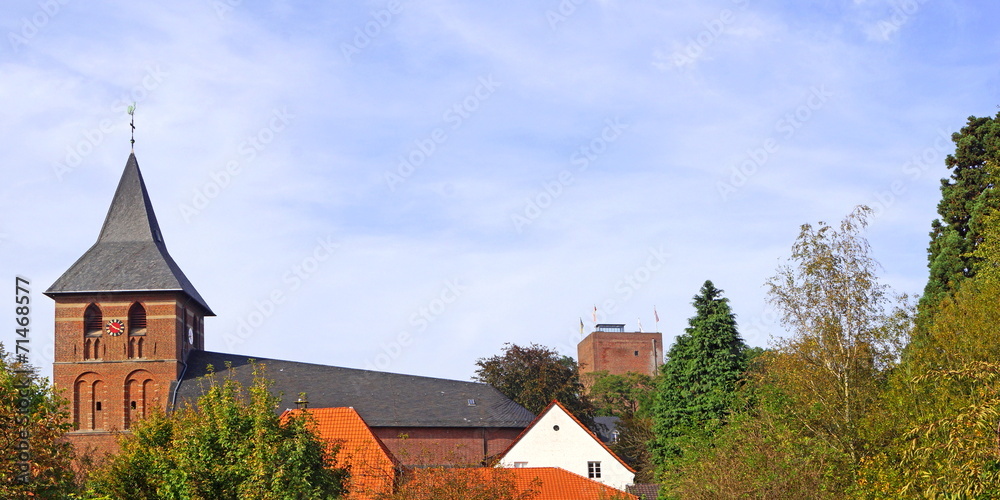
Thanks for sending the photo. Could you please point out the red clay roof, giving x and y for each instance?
(371, 464)
(545, 483)
(584, 427)
(560, 484)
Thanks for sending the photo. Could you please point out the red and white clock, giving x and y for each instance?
(115, 327)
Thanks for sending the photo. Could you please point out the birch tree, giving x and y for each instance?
(845, 328)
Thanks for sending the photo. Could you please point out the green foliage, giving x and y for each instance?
(534, 376)
(760, 453)
(628, 397)
(620, 395)
(231, 445)
(945, 405)
(32, 422)
(811, 411)
(845, 328)
(697, 382)
(634, 434)
(966, 196)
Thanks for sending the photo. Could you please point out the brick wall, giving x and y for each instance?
(450, 446)
(621, 352)
(112, 381)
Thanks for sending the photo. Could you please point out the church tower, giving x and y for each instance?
(126, 318)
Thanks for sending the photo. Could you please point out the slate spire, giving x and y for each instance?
(130, 255)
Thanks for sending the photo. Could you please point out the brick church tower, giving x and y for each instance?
(126, 318)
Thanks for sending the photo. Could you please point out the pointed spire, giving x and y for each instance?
(130, 255)
(131, 216)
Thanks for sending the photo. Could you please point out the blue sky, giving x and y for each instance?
(409, 185)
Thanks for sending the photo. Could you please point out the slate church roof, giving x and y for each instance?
(130, 255)
(382, 399)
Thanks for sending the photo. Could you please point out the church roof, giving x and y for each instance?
(130, 255)
(382, 399)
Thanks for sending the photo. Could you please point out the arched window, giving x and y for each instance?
(137, 319)
(87, 409)
(97, 349)
(97, 411)
(86, 349)
(138, 386)
(138, 347)
(93, 322)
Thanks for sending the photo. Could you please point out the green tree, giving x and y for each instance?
(620, 395)
(628, 397)
(701, 373)
(966, 196)
(534, 376)
(845, 332)
(945, 404)
(36, 461)
(231, 445)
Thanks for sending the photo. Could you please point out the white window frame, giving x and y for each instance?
(594, 470)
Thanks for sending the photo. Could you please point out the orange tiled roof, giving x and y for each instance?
(544, 483)
(560, 484)
(371, 464)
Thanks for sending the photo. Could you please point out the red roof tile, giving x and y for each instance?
(371, 464)
(544, 483)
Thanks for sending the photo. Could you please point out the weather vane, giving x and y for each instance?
(131, 113)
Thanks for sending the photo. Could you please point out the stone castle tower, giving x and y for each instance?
(126, 318)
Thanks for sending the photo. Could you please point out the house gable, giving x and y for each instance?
(557, 439)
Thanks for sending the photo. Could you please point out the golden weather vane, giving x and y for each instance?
(131, 113)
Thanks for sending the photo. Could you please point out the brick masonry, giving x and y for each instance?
(451, 446)
(621, 352)
(110, 383)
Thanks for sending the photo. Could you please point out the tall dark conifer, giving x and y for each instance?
(699, 377)
(966, 197)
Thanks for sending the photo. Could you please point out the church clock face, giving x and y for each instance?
(115, 327)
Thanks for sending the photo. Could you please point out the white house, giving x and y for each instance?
(557, 439)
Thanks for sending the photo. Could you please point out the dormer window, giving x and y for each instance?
(93, 322)
(137, 320)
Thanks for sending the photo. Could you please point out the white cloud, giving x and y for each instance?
(324, 174)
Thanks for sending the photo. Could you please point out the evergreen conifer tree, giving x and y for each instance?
(699, 377)
(967, 196)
